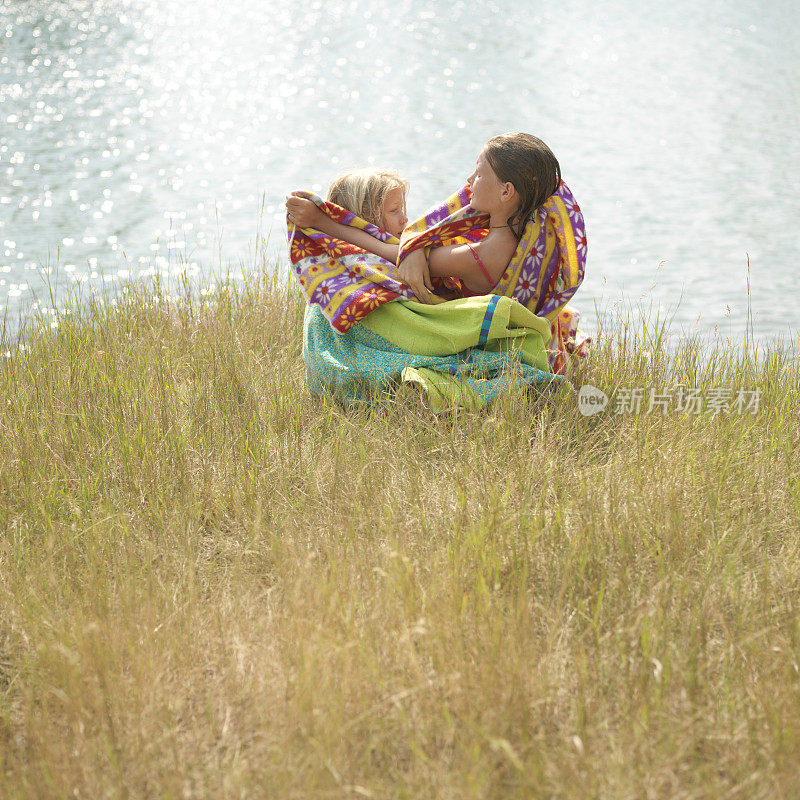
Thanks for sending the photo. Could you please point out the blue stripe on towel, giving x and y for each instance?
(487, 320)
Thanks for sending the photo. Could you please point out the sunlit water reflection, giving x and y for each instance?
(159, 137)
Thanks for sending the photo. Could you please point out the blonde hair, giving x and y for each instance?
(363, 192)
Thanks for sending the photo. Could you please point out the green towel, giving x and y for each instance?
(462, 353)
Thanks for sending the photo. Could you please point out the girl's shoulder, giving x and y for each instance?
(495, 255)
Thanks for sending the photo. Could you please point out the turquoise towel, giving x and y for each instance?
(462, 353)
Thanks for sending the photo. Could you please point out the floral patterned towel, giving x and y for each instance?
(347, 283)
(344, 281)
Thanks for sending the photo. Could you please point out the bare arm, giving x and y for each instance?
(307, 214)
(450, 261)
(459, 261)
(455, 261)
(357, 237)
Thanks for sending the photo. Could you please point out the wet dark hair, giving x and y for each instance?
(529, 164)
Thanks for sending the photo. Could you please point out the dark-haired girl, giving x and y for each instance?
(514, 175)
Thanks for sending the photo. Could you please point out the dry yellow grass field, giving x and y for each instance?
(214, 586)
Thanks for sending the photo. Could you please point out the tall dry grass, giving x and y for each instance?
(212, 585)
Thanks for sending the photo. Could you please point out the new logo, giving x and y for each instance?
(591, 400)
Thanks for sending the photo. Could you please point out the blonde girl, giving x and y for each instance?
(376, 195)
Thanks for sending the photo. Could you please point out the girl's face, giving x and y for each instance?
(485, 186)
(394, 215)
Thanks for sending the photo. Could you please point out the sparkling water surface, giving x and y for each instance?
(160, 136)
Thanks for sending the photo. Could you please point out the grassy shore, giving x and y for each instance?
(213, 586)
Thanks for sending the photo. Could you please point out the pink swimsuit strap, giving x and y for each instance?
(480, 263)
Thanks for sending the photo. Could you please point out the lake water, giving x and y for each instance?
(144, 136)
